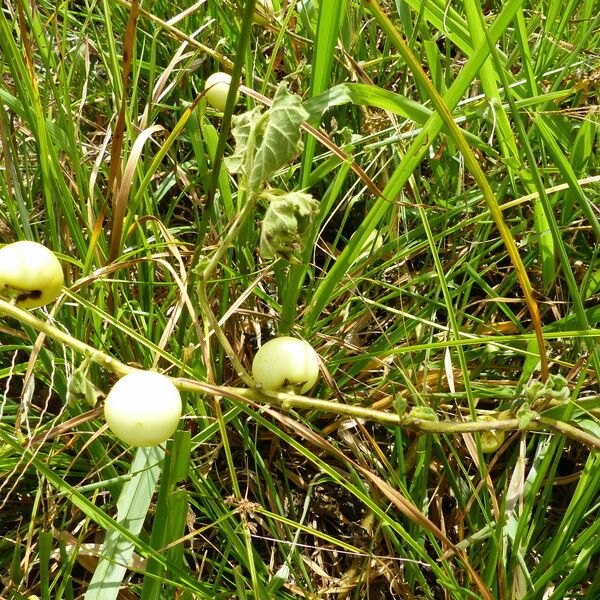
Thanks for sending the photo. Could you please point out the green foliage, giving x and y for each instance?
(556, 387)
(484, 122)
(265, 142)
(424, 413)
(286, 222)
(80, 389)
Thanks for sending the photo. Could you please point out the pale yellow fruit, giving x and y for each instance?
(143, 408)
(286, 364)
(30, 274)
(217, 89)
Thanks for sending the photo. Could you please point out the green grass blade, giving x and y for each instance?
(479, 177)
(328, 24)
(403, 172)
(132, 508)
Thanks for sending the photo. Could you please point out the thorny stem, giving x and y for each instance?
(287, 401)
(220, 334)
(215, 259)
(249, 203)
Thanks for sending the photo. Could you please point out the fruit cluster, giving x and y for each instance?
(144, 407)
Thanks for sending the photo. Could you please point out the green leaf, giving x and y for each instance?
(534, 391)
(266, 142)
(132, 508)
(525, 416)
(558, 388)
(80, 389)
(242, 126)
(360, 94)
(287, 220)
(590, 426)
(400, 405)
(281, 137)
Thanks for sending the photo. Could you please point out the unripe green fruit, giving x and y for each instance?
(143, 408)
(286, 364)
(217, 89)
(30, 274)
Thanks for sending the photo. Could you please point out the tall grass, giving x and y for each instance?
(450, 276)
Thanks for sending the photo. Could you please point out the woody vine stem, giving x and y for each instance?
(208, 266)
(287, 401)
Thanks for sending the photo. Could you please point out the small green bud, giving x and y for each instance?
(400, 405)
(525, 415)
(423, 413)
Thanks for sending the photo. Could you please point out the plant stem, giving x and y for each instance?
(287, 401)
(220, 334)
(215, 259)
(46, 327)
(247, 209)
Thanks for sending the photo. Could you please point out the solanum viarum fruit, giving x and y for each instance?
(30, 274)
(143, 408)
(286, 364)
(216, 90)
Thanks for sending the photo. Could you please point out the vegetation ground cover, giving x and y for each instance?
(411, 187)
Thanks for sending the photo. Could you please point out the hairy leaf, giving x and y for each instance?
(266, 142)
(285, 224)
(281, 137)
(242, 125)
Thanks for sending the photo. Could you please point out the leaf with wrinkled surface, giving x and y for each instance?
(285, 224)
(265, 142)
(242, 126)
(281, 137)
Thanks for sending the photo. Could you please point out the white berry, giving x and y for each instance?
(143, 408)
(286, 363)
(216, 90)
(30, 274)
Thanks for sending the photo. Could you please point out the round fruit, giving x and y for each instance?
(30, 274)
(286, 364)
(143, 408)
(217, 88)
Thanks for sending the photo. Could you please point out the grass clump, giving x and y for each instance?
(410, 187)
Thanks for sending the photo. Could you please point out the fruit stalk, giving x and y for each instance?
(258, 398)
